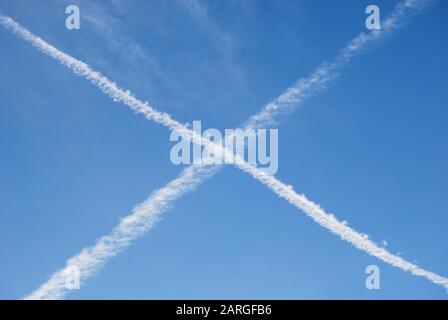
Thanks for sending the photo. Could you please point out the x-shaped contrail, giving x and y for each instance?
(146, 214)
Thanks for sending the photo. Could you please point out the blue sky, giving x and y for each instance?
(371, 149)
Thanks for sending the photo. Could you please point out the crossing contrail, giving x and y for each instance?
(144, 216)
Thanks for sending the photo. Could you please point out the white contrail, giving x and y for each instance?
(144, 216)
(328, 71)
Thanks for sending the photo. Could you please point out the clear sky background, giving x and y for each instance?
(372, 148)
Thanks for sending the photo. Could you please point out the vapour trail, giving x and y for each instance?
(143, 218)
(328, 71)
(145, 215)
